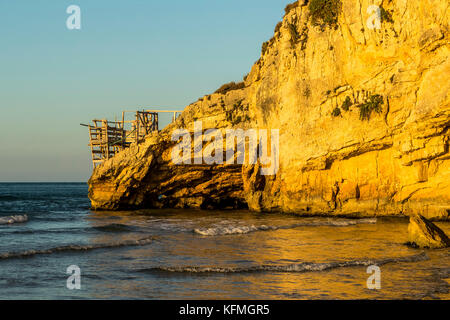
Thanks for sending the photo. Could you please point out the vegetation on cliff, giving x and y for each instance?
(325, 12)
(290, 6)
(230, 87)
(395, 77)
(373, 103)
(386, 16)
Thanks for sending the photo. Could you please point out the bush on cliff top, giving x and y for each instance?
(290, 7)
(264, 47)
(230, 87)
(325, 12)
(278, 27)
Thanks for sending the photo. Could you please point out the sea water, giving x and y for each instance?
(193, 254)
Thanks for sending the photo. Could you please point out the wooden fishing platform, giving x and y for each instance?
(107, 138)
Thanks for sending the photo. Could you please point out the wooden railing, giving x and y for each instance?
(107, 138)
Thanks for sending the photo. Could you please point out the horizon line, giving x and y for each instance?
(43, 182)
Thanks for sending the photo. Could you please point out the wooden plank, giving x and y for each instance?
(107, 138)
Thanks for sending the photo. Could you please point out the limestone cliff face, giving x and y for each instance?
(396, 162)
(143, 176)
(363, 114)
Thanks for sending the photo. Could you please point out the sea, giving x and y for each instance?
(64, 250)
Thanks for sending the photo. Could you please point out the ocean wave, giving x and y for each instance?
(109, 228)
(291, 268)
(228, 230)
(114, 227)
(33, 197)
(43, 198)
(14, 219)
(74, 248)
(8, 198)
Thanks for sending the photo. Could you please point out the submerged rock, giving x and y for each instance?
(13, 219)
(425, 234)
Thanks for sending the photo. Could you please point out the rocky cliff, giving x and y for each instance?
(363, 114)
(144, 175)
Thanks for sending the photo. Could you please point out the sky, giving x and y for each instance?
(128, 55)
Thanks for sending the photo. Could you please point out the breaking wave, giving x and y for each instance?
(228, 230)
(13, 219)
(69, 248)
(300, 267)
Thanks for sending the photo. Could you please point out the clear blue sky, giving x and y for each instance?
(128, 55)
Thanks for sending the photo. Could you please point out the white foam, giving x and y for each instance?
(300, 267)
(229, 230)
(236, 229)
(30, 253)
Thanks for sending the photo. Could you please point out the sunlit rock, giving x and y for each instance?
(424, 234)
(384, 152)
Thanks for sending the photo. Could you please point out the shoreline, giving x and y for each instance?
(353, 216)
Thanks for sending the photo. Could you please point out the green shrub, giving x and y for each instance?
(264, 47)
(336, 112)
(325, 12)
(290, 7)
(374, 103)
(230, 87)
(386, 16)
(278, 27)
(347, 104)
(232, 115)
(307, 92)
(294, 33)
(238, 105)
